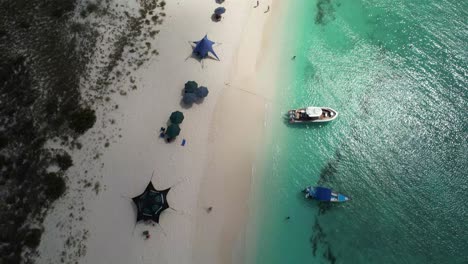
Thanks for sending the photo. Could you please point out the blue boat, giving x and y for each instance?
(324, 194)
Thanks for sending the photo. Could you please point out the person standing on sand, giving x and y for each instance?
(268, 9)
(146, 234)
(258, 3)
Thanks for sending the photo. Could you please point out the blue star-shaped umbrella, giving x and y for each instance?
(204, 46)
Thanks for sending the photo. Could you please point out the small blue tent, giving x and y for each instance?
(204, 46)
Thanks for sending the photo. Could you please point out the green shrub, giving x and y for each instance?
(33, 237)
(92, 7)
(51, 106)
(55, 186)
(64, 161)
(3, 141)
(82, 120)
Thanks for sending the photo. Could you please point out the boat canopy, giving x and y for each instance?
(322, 194)
(313, 111)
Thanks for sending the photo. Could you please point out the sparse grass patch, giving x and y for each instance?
(97, 187)
(153, 33)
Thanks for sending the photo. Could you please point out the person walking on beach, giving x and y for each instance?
(268, 9)
(146, 234)
(258, 3)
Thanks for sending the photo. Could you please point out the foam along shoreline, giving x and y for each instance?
(213, 169)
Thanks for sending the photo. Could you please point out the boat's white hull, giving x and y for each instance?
(292, 116)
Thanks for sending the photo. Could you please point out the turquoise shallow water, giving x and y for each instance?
(397, 72)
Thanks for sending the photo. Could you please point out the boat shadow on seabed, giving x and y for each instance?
(304, 125)
(322, 206)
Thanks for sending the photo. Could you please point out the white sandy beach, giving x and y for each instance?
(213, 169)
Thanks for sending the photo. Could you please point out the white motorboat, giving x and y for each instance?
(312, 114)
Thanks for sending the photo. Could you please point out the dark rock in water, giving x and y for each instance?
(328, 171)
(329, 255)
(338, 156)
(319, 233)
(314, 245)
(318, 237)
(324, 207)
(317, 227)
(325, 12)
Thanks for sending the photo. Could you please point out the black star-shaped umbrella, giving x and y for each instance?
(151, 203)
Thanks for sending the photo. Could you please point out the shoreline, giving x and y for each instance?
(274, 78)
(216, 145)
(236, 131)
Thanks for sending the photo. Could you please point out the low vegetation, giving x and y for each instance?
(82, 120)
(39, 93)
(44, 57)
(33, 237)
(54, 186)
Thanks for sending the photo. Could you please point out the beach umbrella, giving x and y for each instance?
(177, 117)
(190, 87)
(189, 98)
(202, 92)
(219, 1)
(173, 131)
(151, 203)
(216, 17)
(204, 46)
(220, 10)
